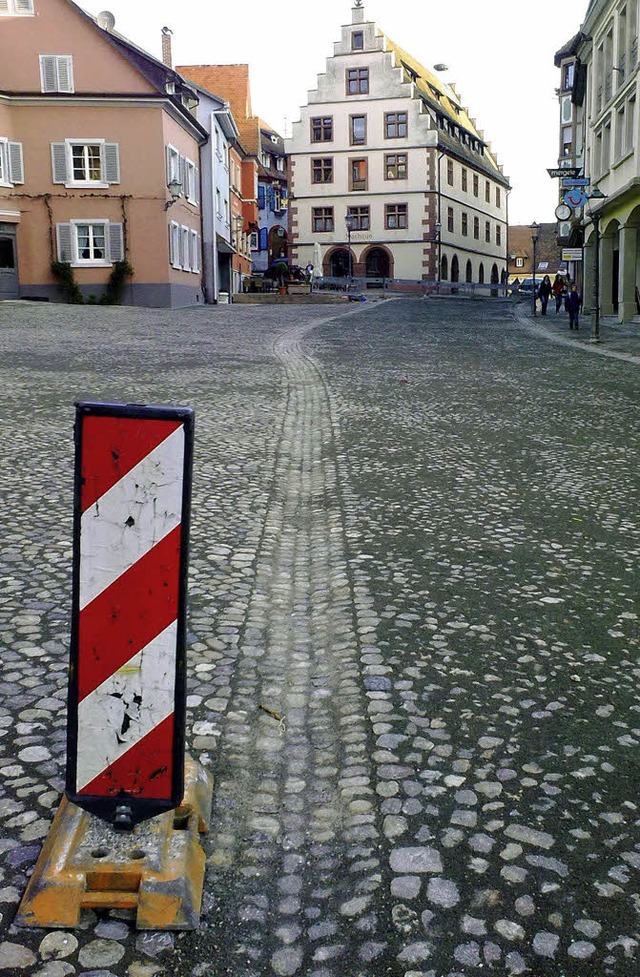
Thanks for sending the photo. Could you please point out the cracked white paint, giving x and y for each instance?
(131, 517)
(126, 706)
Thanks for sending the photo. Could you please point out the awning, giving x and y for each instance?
(223, 245)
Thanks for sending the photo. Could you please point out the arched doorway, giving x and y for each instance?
(495, 278)
(444, 269)
(609, 267)
(455, 269)
(377, 263)
(278, 244)
(339, 264)
(481, 274)
(469, 272)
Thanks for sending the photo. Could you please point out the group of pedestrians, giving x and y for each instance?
(562, 291)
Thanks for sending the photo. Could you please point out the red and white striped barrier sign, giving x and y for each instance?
(125, 758)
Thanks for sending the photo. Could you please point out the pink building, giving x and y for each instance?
(99, 151)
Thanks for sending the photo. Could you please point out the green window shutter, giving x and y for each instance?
(59, 162)
(111, 163)
(63, 237)
(16, 165)
(116, 242)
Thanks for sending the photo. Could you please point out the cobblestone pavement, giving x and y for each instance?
(415, 538)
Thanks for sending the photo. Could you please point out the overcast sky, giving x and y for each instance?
(499, 52)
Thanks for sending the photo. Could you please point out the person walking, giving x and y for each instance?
(544, 292)
(572, 304)
(559, 290)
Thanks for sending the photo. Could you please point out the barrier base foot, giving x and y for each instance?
(155, 870)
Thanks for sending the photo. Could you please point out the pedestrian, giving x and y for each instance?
(573, 304)
(559, 290)
(544, 292)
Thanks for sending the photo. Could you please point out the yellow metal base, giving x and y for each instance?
(157, 869)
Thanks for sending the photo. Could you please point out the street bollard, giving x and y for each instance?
(117, 839)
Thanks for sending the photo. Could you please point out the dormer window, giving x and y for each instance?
(16, 8)
(357, 41)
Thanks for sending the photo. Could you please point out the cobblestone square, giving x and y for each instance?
(415, 539)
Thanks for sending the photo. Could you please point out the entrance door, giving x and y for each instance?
(8, 265)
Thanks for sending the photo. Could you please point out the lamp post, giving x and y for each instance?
(175, 189)
(349, 221)
(596, 194)
(535, 231)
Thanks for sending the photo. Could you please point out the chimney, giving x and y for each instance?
(357, 13)
(166, 47)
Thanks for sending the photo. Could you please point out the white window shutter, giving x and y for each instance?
(59, 162)
(4, 6)
(23, 6)
(63, 235)
(186, 264)
(111, 162)
(197, 186)
(172, 244)
(48, 73)
(65, 73)
(116, 242)
(182, 175)
(16, 164)
(168, 165)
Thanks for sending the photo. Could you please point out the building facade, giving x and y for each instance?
(271, 244)
(604, 96)
(80, 108)
(389, 175)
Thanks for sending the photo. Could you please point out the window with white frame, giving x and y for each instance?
(56, 73)
(11, 163)
(16, 8)
(195, 251)
(181, 170)
(254, 240)
(91, 162)
(90, 242)
(190, 188)
(174, 245)
(185, 234)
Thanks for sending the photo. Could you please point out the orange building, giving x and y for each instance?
(99, 152)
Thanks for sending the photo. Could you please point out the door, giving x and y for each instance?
(8, 264)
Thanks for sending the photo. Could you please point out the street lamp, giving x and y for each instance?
(349, 221)
(535, 231)
(596, 194)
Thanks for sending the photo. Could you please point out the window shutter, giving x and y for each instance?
(116, 242)
(23, 6)
(196, 191)
(65, 74)
(48, 73)
(4, 6)
(111, 162)
(261, 198)
(59, 162)
(63, 235)
(182, 171)
(168, 165)
(16, 166)
(185, 235)
(263, 239)
(173, 245)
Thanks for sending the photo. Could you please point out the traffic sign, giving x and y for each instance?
(575, 198)
(126, 708)
(574, 181)
(564, 171)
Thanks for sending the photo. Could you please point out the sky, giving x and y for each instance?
(499, 54)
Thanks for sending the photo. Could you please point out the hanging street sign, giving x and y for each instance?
(575, 198)
(565, 171)
(572, 254)
(574, 181)
(126, 707)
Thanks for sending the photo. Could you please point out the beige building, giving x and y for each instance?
(98, 161)
(389, 175)
(604, 95)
